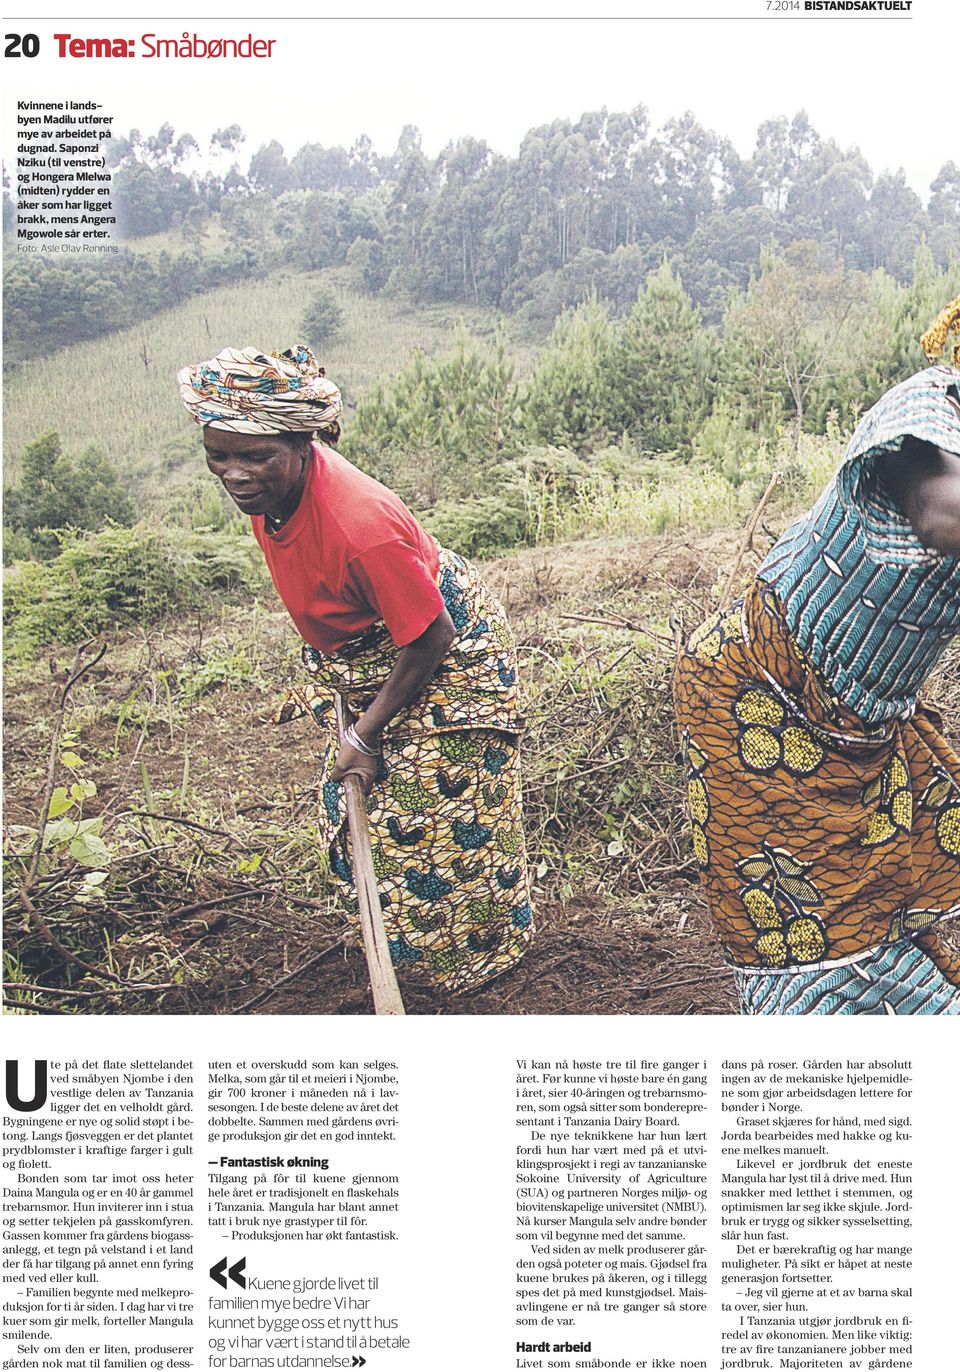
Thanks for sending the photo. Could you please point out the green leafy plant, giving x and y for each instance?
(67, 832)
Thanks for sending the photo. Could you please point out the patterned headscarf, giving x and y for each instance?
(918, 407)
(934, 340)
(247, 391)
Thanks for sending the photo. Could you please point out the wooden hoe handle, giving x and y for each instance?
(383, 981)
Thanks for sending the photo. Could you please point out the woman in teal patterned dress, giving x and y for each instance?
(824, 799)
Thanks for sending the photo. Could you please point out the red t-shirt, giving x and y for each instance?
(351, 554)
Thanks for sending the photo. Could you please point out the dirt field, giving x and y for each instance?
(216, 902)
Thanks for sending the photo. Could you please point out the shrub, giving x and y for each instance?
(58, 492)
(323, 320)
(528, 507)
(728, 444)
(482, 527)
(123, 576)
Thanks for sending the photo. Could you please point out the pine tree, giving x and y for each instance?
(896, 316)
(323, 320)
(662, 367)
(57, 492)
(569, 401)
(442, 427)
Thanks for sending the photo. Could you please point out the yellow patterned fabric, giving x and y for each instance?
(246, 391)
(819, 838)
(934, 341)
(446, 812)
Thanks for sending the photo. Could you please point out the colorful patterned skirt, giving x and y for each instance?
(446, 814)
(820, 841)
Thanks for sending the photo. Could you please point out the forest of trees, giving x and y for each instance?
(586, 207)
(690, 306)
(808, 346)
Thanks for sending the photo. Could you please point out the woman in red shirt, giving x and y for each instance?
(413, 640)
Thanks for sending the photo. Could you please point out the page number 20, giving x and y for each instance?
(21, 45)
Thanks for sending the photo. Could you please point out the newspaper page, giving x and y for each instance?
(481, 525)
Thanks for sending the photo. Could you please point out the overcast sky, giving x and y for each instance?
(868, 82)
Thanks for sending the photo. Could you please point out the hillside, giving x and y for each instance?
(133, 415)
(622, 469)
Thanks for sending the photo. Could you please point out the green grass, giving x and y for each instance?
(664, 497)
(175, 242)
(101, 392)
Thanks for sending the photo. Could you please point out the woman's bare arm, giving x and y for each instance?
(415, 665)
(925, 482)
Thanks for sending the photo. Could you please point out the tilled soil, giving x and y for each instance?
(267, 941)
(583, 961)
